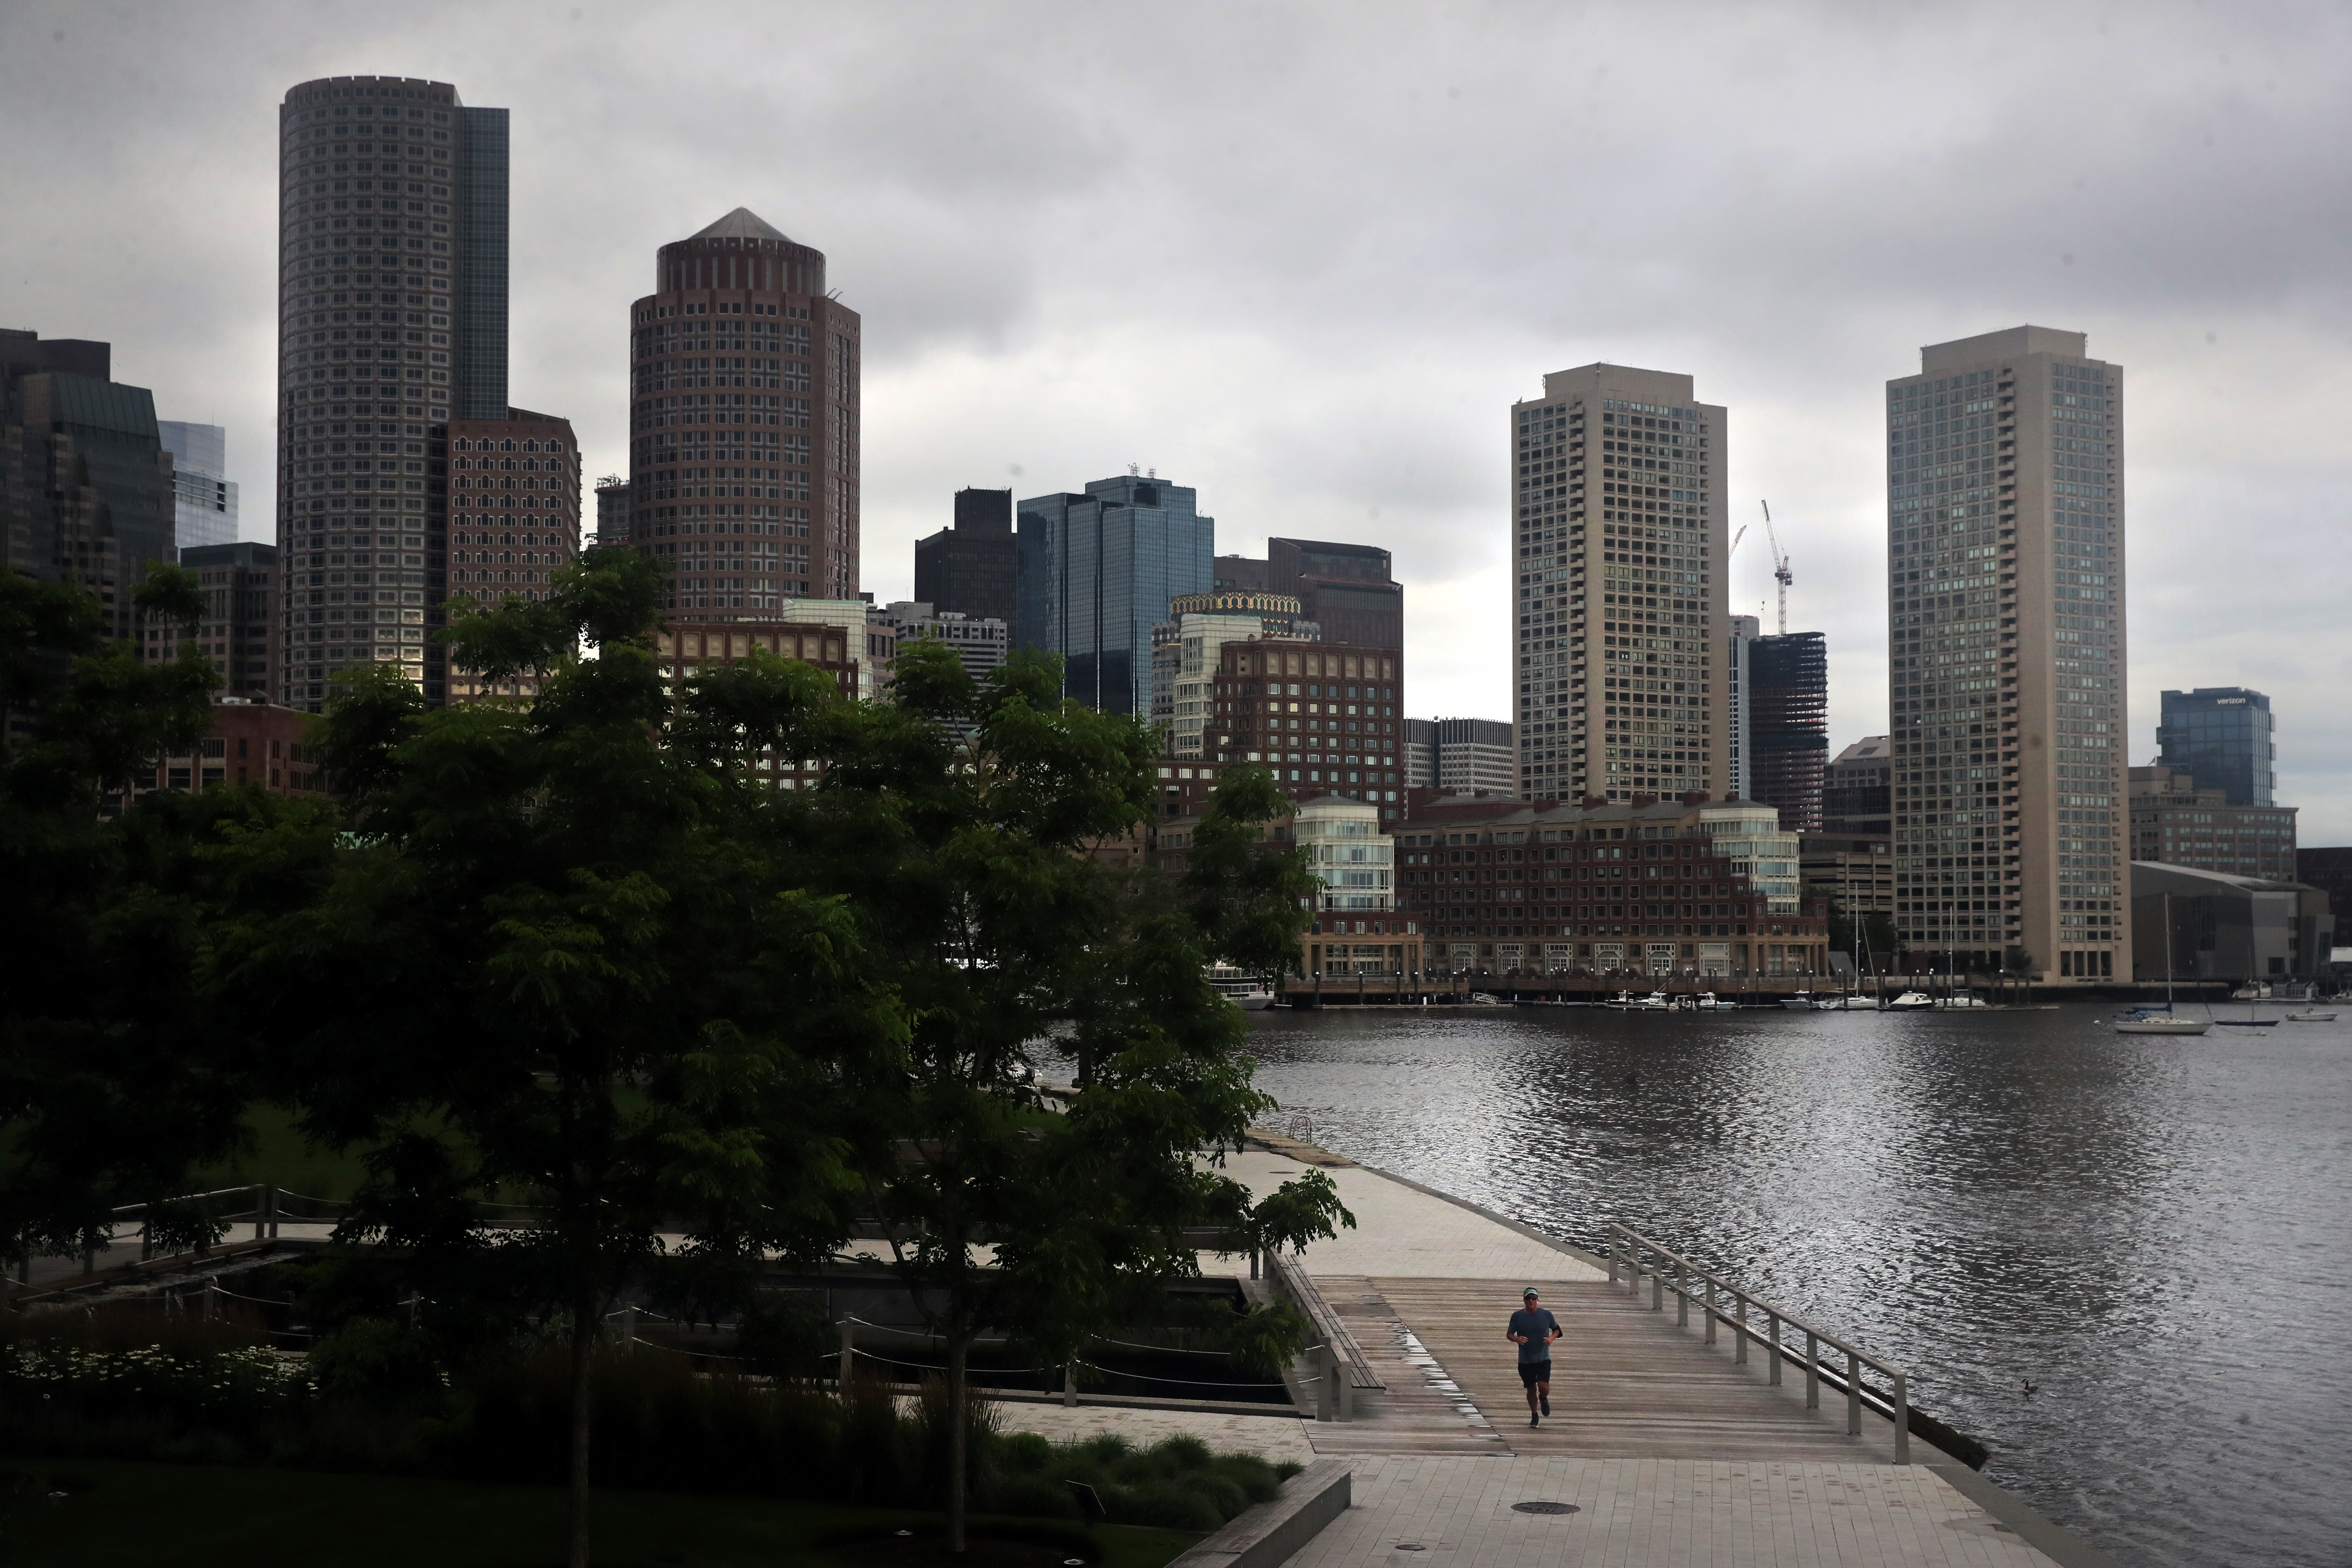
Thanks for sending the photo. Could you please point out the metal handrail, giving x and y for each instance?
(1629, 1253)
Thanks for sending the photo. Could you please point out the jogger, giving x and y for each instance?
(1533, 1330)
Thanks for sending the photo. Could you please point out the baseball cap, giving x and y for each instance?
(1530, 1290)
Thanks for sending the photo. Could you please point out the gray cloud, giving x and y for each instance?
(1304, 257)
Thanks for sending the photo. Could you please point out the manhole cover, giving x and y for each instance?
(1545, 1508)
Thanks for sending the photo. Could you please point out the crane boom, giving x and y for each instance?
(1734, 541)
(1781, 572)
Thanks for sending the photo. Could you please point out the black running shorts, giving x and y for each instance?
(1534, 1372)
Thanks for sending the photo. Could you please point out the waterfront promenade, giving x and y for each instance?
(1663, 1450)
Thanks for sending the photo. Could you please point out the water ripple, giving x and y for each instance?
(2153, 1231)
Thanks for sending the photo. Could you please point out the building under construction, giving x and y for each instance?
(1788, 737)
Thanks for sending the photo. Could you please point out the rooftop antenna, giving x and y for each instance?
(1134, 470)
(1781, 572)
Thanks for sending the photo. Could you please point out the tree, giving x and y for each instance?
(557, 964)
(109, 1092)
(1006, 944)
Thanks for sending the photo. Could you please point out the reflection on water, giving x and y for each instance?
(2153, 1231)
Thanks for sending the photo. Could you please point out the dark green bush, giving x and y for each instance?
(371, 1397)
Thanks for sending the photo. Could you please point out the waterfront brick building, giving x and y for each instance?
(744, 433)
(839, 636)
(514, 518)
(1325, 716)
(1654, 886)
(249, 742)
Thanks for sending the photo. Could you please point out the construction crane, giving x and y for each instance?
(1726, 554)
(1781, 572)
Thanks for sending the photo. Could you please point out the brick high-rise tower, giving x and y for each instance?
(392, 321)
(743, 445)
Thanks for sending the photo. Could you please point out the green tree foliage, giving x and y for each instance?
(559, 965)
(107, 1094)
(1006, 941)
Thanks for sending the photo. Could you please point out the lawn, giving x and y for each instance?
(200, 1516)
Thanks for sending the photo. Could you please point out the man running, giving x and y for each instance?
(1533, 1330)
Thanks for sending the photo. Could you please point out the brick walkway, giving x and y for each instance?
(1659, 1513)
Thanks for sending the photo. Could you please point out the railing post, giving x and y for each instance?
(1682, 1295)
(1610, 1252)
(1812, 1371)
(629, 1329)
(848, 1351)
(1852, 1394)
(1772, 1353)
(272, 1196)
(1069, 1385)
(1657, 1285)
(1739, 1327)
(1708, 1280)
(1327, 1403)
(1902, 1419)
(260, 1210)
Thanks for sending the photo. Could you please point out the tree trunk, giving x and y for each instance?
(584, 1325)
(958, 1402)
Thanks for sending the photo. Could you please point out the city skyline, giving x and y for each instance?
(1026, 356)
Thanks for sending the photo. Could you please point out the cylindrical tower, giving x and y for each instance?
(745, 423)
(392, 320)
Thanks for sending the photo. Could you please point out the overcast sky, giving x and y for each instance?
(1304, 257)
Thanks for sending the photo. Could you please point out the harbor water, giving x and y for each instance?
(2154, 1233)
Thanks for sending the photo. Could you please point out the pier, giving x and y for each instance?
(1672, 1442)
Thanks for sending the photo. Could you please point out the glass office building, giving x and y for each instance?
(1094, 572)
(2222, 736)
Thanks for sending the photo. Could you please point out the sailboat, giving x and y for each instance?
(2145, 1020)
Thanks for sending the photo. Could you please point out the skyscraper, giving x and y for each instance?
(2224, 736)
(2007, 654)
(1787, 726)
(393, 320)
(1621, 596)
(85, 480)
(744, 438)
(967, 570)
(1095, 571)
(204, 502)
(1738, 644)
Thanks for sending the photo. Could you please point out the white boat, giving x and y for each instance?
(1912, 1002)
(2311, 1018)
(1248, 992)
(1963, 1000)
(2150, 1020)
(1626, 1002)
(2160, 1021)
(1706, 1002)
(1855, 1003)
(1483, 999)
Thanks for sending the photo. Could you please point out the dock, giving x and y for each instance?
(1662, 1448)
